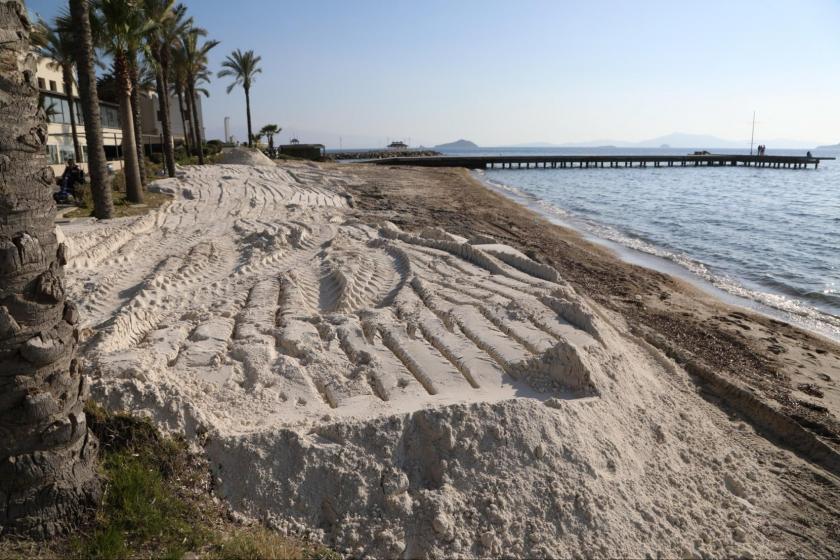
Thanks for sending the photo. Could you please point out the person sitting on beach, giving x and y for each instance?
(72, 175)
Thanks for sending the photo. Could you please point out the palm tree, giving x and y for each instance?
(58, 47)
(171, 24)
(123, 28)
(269, 131)
(142, 81)
(243, 68)
(100, 180)
(48, 474)
(195, 67)
(137, 88)
(178, 86)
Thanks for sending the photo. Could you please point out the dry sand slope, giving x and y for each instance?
(402, 394)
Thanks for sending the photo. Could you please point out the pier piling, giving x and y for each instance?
(600, 161)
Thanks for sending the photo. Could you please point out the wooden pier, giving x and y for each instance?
(584, 161)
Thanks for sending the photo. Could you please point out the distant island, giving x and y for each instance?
(460, 144)
(829, 147)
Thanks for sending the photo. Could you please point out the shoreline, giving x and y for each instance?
(804, 316)
(775, 360)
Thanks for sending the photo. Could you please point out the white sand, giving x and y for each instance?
(403, 395)
(244, 156)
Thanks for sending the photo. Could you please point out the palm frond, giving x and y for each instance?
(242, 67)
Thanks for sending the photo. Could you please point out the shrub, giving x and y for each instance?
(153, 169)
(118, 181)
(83, 196)
(213, 146)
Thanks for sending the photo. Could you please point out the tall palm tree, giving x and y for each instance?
(100, 180)
(171, 23)
(123, 28)
(58, 47)
(190, 133)
(178, 86)
(48, 475)
(142, 82)
(195, 63)
(243, 67)
(202, 77)
(269, 131)
(136, 93)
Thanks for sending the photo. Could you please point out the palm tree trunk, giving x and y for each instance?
(166, 125)
(133, 187)
(138, 119)
(189, 101)
(196, 126)
(248, 113)
(100, 181)
(188, 108)
(48, 475)
(183, 120)
(67, 78)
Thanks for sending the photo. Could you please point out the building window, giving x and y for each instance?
(42, 84)
(53, 86)
(52, 105)
(110, 117)
(66, 151)
(112, 153)
(52, 154)
(58, 111)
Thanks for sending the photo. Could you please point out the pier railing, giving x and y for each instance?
(602, 161)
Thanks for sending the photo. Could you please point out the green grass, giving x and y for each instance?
(260, 543)
(139, 509)
(157, 504)
(122, 206)
(143, 509)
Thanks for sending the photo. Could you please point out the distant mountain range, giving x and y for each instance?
(676, 140)
(829, 147)
(457, 144)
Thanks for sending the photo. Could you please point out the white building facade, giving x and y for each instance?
(58, 104)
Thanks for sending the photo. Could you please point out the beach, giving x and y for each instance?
(402, 362)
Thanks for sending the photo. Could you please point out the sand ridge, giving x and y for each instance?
(254, 282)
(399, 393)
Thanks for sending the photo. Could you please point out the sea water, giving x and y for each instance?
(770, 237)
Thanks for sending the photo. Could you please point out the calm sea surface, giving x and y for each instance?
(771, 237)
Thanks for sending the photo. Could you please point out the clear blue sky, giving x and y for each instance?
(502, 73)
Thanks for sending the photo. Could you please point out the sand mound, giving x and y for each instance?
(244, 156)
(517, 478)
(397, 393)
